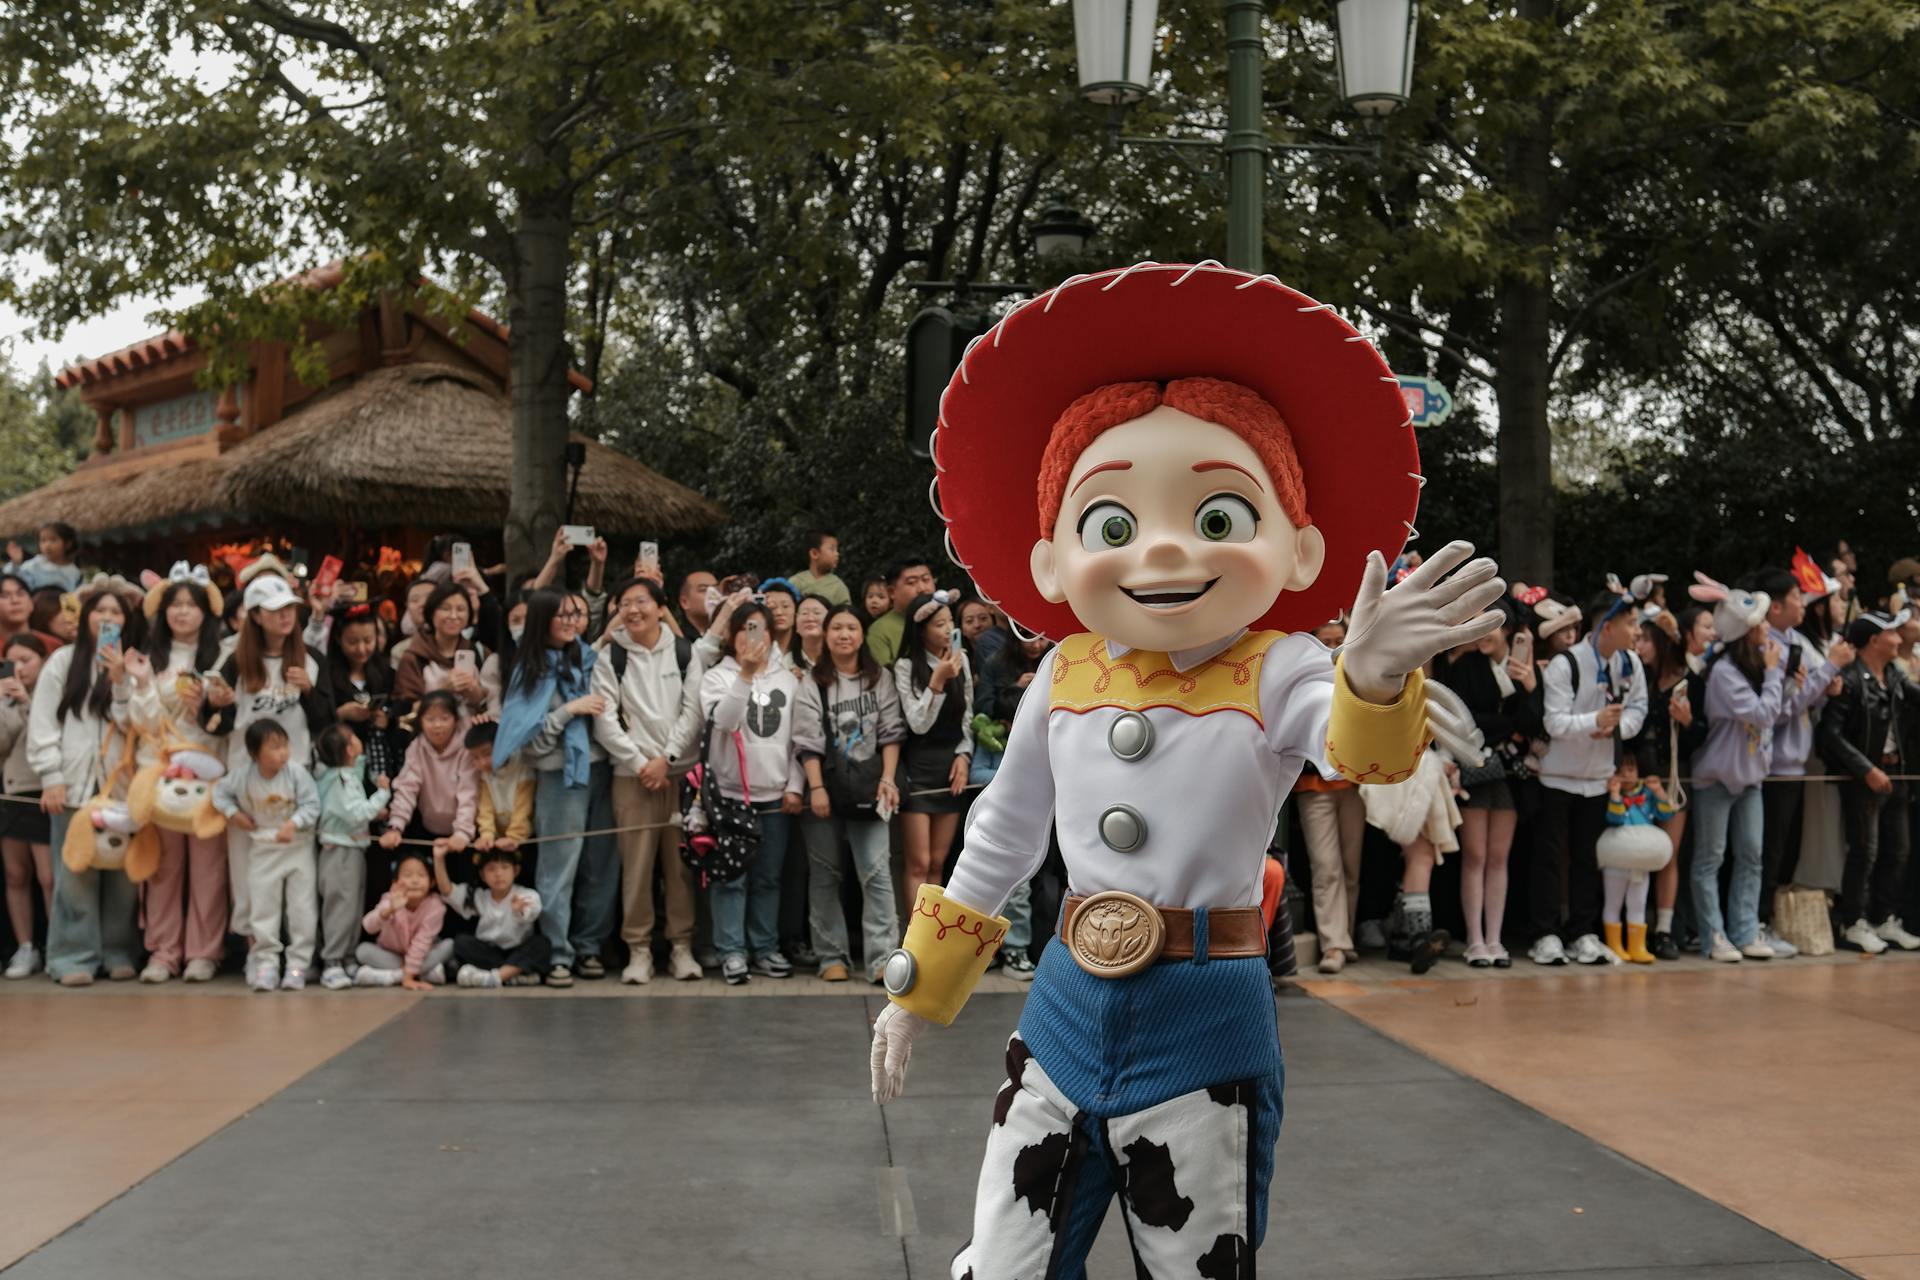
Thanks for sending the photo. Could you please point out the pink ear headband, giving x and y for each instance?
(1706, 590)
(940, 600)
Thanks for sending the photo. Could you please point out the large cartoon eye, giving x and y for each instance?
(1106, 525)
(1226, 517)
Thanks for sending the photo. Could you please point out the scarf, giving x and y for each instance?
(523, 711)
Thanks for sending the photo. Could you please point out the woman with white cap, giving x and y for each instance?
(1744, 693)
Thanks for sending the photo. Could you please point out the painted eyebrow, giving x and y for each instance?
(1218, 464)
(1119, 465)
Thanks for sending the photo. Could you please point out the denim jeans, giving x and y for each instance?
(1718, 814)
(93, 915)
(1019, 914)
(826, 918)
(596, 880)
(556, 808)
(746, 912)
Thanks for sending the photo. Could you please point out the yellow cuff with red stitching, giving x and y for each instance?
(947, 948)
(1368, 742)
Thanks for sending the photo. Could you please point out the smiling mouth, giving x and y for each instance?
(1171, 596)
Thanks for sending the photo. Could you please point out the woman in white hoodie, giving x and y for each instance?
(647, 724)
(81, 691)
(749, 699)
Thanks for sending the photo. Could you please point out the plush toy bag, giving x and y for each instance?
(104, 834)
(175, 791)
(1639, 850)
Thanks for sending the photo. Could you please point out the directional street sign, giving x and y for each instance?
(1429, 402)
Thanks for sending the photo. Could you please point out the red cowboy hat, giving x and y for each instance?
(1349, 421)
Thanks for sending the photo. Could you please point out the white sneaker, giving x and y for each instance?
(334, 978)
(681, 964)
(296, 980)
(1893, 931)
(1588, 949)
(436, 976)
(201, 970)
(25, 962)
(1333, 961)
(1782, 949)
(640, 971)
(1548, 950)
(265, 976)
(474, 976)
(1862, 936)
(1723, 950)
(155, 972)
(1758, 949)
(372, 977)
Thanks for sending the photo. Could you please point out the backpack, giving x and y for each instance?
(730, 835)
(617, 655)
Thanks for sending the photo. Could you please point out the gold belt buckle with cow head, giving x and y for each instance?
(1114, 934)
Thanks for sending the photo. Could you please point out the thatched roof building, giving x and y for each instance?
(410, 436)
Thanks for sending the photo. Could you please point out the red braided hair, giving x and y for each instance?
(1227, 404)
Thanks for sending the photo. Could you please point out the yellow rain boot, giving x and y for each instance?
(1637, 945)
(1613, 939)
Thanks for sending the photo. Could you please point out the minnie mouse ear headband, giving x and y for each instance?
(929, 604)
(181, 572)
(1154, 322)
(1868, 625)
(1735, 612)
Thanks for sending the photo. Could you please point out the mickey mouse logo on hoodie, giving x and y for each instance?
(763, 712)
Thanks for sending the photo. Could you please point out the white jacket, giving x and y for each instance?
(66, 752)
(1576, 761)
(651, 710)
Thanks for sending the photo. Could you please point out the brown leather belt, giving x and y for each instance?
(1120, 933)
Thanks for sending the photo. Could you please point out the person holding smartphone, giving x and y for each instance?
(441, 656)
(82, 692)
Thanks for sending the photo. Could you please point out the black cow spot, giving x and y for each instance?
(1150, 1188)
(1224, 1261)
(1229, 1095)
(763, 718)
(1018, 1056)
(1036, 1172)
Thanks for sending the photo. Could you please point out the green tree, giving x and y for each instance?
(44, 431)
(224, 145)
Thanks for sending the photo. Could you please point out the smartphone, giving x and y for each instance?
(577, 535)
(650, 557)
(463, 660)
(461, 557)
(354, 592)
(329, 573)
(298, 559)
(1523, 645)
(6, 671)
(108, 638)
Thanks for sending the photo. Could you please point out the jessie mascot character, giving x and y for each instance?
(1173, 472)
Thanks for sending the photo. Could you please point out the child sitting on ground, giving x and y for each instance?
(275, 799)
(504, 945)
(345, 812)
(434, 796)
(407, 949)
(1631, 850)
(505, 807)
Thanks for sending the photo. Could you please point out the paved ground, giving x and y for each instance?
(478, 1137)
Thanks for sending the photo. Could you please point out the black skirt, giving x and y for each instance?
(929, 768)
(20, 820)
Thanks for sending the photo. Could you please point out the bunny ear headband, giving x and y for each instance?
(1706, 590)
(157, 586)
(938, 600)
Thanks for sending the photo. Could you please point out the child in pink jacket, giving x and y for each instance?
(407, 949)
(437, 793)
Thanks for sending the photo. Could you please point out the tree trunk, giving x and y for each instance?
(539, 359)
(1525, 449)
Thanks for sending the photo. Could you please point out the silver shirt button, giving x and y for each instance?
(1131, 736)
(1123, 829)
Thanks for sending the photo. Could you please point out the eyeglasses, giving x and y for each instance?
(572, 615)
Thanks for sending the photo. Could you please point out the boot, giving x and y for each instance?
(1612, 932)
(1425, 944)
(1637, 945)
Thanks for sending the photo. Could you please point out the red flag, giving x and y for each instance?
(1812, 581)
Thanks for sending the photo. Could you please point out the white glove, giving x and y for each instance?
(1395, 632)
(893, 1033)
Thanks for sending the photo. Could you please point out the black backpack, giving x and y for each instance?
(617, 655)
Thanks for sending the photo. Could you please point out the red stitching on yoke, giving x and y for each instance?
(960, 924)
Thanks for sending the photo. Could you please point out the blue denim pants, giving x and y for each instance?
(1721, 817)
(596, 880)
(557, 808)
(746, 912)
(93, 915)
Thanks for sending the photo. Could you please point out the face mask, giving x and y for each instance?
(406, 624)
(516, 630)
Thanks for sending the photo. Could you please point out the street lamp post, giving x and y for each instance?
(1373, 49)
